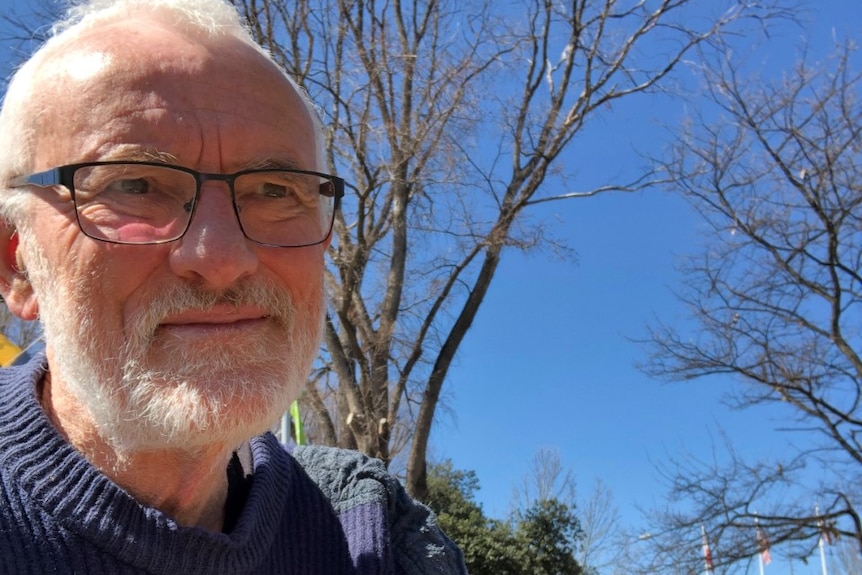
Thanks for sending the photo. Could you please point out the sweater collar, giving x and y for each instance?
(58, 479)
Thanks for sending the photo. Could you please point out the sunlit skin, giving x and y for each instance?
(215, 108)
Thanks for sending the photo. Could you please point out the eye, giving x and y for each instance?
(133, 187)
(273, 190)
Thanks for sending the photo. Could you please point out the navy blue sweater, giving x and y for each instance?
(315, 511)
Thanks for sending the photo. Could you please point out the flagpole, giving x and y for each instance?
(762, 544)
(822, 529)
(707, 552)
(822, 556)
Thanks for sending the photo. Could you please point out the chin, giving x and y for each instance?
(189, 413)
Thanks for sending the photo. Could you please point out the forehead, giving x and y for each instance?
(137, 84)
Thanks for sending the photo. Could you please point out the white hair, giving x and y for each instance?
(19, 116)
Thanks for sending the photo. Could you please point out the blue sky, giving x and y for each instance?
(549, 362)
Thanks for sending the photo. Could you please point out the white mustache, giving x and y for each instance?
(178, 298)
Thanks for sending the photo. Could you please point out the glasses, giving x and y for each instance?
(153, 203)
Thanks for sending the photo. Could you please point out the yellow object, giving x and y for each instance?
(8, 351)
(298, 430)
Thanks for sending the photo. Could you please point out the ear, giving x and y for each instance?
(14, 285)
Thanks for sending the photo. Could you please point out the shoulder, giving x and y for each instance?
(347, 478)
(351, 480)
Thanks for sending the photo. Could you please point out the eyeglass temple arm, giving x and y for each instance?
(334, 188)
(44, 179)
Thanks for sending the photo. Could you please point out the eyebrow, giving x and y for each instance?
(271, 164)
(154, 155)
(136, 154)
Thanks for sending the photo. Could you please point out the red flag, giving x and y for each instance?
(707, 554)
(763, 545)
(824, 533)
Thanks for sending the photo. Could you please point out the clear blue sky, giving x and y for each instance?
(548, 362)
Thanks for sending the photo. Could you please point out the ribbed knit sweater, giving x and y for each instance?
(315, 511)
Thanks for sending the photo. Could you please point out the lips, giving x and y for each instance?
(216, 316)
(218, 322)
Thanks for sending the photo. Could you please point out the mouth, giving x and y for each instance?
(220, 319)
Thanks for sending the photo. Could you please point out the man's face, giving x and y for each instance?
(204, 339)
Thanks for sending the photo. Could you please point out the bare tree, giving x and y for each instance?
(776, 297)
(547, 478)
(604, 537)
(450, 119)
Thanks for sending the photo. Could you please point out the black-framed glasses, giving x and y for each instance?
(153, 203)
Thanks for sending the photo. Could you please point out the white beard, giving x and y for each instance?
(193, 396)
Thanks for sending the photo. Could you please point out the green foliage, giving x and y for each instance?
(489, 546)
(550, 532)
(541, 540)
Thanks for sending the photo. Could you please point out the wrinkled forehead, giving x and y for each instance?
(139, 65)
(143, 47)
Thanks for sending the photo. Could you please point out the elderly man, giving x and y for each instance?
(166, 213)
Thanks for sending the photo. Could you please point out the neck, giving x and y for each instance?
(190, 486)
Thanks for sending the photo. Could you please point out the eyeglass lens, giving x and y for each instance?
(139, 203)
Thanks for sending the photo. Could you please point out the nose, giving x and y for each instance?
(214, 249)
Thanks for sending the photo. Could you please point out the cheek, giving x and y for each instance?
(133, 273)
(103, 281)
(300, 272)
(54, 229)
